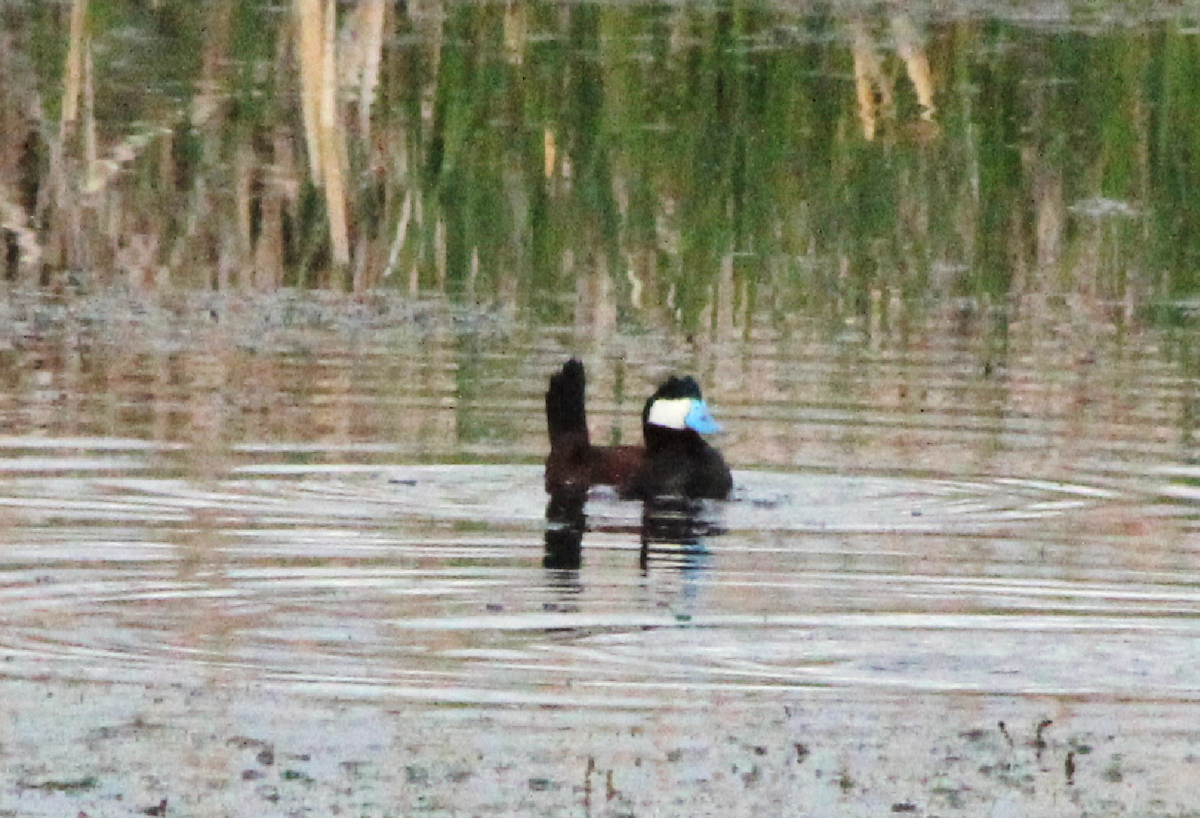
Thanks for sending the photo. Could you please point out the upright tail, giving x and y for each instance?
(565, 412)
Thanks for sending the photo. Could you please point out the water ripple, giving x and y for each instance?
(426, 583)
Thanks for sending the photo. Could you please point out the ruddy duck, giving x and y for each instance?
(674, 462)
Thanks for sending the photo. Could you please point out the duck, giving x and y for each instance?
(675, 460)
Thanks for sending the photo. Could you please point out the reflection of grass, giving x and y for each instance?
(65, 786)
(296, 775)
(595, 162)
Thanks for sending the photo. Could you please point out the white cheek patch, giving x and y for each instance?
(670, 413)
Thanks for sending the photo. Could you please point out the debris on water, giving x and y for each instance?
(158, 809)
(1039, 741)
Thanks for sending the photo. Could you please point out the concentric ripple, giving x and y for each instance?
(427, 583)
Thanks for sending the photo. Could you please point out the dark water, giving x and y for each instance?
(303, 565)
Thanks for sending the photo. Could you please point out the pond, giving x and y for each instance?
(299, 558)
(274, 538)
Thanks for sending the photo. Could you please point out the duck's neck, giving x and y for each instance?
(660, 440)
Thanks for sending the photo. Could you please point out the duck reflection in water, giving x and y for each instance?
(673, 470)
(673, 532)
(565, 524)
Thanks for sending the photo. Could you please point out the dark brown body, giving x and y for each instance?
(574, 465)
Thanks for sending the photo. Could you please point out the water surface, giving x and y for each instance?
(336, 581)
(273, 539)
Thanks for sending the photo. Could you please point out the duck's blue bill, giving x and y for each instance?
(699, 419)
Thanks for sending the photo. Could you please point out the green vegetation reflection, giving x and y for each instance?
(658, 163)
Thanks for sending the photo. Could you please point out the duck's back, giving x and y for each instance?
(574, 466)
